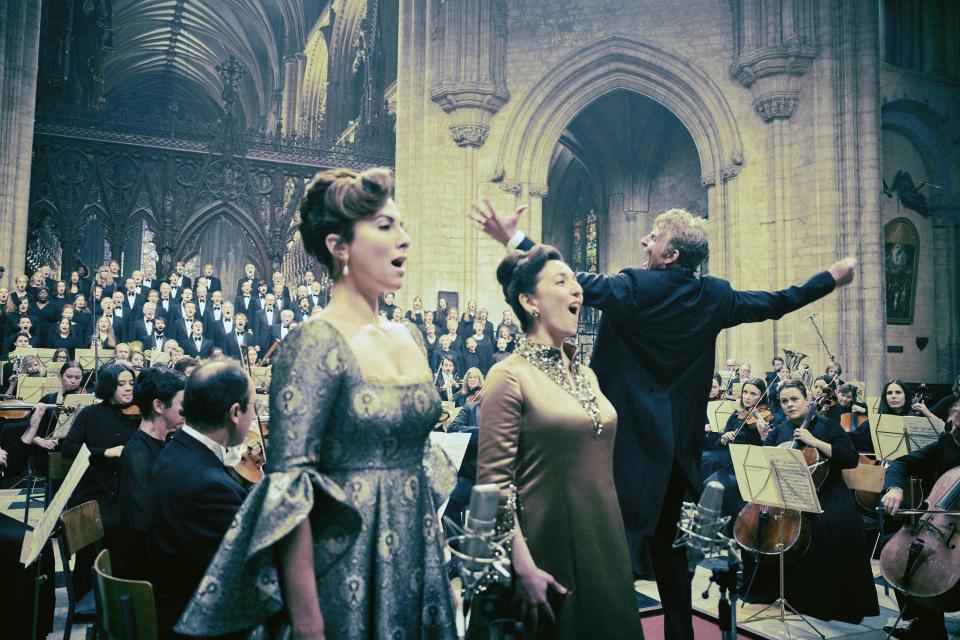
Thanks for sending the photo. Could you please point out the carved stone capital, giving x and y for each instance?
(776, 106)
(512, 187)
(729, 172)
(708, 181)
(469, 135)
(453, 96)
(631, 216)
(538, 191)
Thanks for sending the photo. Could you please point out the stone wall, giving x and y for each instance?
(784, 119)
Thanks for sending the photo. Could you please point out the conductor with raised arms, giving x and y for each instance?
(654, 357)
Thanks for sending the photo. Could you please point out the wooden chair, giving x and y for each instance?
(80, 528)
(125, 608)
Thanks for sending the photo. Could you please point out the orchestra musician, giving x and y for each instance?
(833, 580)
(46, 414)
(654, 354)
(445, 381)
(104, 428)
(928, 464)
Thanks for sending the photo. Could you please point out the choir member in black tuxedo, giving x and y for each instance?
(45, 315)
(185, 281)
(266, 318)
(166, 305)
(279, 331)
(247, 302)
(104, 429)
(122, 319)
(61, 335)
(196, 345)
(142, 328)
(184, 323)
(176, 288)
(654, 356)
(132, 301)
(834, 580)
(302, 310)
(159, 338)
(193, 499)
(150, 280)
(158, 392)
(315, 297)
(202, 300)
(237, 341)
(213, 282)
(249, 275)
(928, 464)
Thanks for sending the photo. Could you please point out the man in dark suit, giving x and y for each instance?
(193, 498)
(654, 357)
(150, 280)
(235, 342)
(249, 275)
(166, 305)
(266, 318)
(185, 281)
(182, 327)
(159, 337)
(213, 282)
(143, 328)
(196, 345)
(247, 302)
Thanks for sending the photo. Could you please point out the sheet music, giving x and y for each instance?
(453, 444)
(33, 545)
(65, 419)
(796, 486)
(921, 432)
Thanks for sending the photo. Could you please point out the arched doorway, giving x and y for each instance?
(623, 160)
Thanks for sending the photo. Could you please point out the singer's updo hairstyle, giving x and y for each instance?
(518, 273)
(334, 201)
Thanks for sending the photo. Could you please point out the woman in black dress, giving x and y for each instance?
(45, 417)
(104, 429)
(62, 336)
(833, 580)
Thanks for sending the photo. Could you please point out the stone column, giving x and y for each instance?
(300, 68)
(289, 94)
(19, 55)
(469, 50)
(946, 267)
(776, 47)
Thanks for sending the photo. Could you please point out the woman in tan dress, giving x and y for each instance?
(546, 438)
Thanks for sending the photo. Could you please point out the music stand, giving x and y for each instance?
(90, 359)
(895, 436)
(719, 411)
(32, 389)
(34, 541)
(776, 477)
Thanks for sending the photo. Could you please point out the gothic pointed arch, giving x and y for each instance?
(609, 65)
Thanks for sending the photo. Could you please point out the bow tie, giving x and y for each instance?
(160, 336)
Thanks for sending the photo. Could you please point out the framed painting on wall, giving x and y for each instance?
(901, 255)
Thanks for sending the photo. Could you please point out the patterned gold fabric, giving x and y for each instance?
(353, 455)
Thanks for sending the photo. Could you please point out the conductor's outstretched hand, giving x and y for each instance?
(485, 217)
(844, 271)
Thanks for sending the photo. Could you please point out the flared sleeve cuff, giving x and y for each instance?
(241, 589)
(441, 472)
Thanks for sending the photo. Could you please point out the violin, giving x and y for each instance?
(922, 560)
(18, 410)
(132, 413)
(767, 530)
(751, 417)
(249, 471)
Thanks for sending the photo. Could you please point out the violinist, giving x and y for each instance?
(104, 429)
(158, 393)
(894, 401)
(750, 425)
(834, 581)
(43, 420)
(472, 384)
(824, 387)
(927, 464)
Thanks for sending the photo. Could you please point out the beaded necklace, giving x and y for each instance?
(549, 360)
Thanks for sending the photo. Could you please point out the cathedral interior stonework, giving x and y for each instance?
(156, 132)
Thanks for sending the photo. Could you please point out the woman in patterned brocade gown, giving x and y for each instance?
(341, 539)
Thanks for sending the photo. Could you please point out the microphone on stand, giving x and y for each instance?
(812, 316)
(699, 525)
(477, 546)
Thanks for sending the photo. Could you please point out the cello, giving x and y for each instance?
(922, 560)
(769, 530)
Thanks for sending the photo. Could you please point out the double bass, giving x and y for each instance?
(922, 560)
(769, 530)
